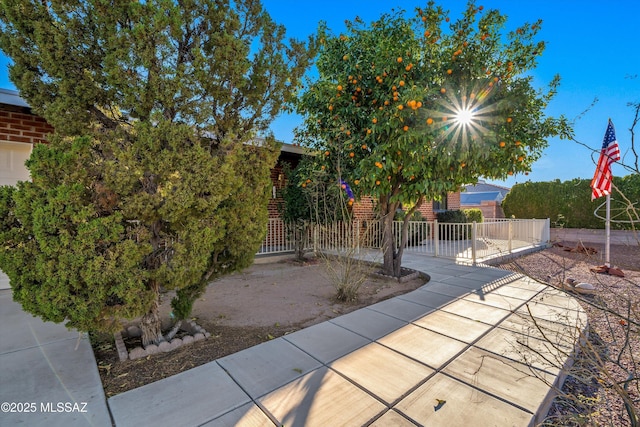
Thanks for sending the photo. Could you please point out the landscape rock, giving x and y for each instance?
(134, 331)
(585, 288)
(175, 343)
(152, 349)
(165, 347)
(137, 353)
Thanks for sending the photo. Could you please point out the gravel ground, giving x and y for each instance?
(608, 368)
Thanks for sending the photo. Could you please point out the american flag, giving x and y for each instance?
(610, 153)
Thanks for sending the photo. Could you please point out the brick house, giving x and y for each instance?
(363, 209)
(20, 129)
(486, 197)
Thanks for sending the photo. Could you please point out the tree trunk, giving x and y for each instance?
(391, 262)
(151, 325)
(301, 233)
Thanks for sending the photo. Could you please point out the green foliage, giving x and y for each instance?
(296, 210)
(473, 215)
(296, 204)
(452, 216)
(415, 216)
(453, 232)
(570, 202)
(382, 110)
(152, 180)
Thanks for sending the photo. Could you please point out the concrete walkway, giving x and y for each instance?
(44, 380)
(465, 349)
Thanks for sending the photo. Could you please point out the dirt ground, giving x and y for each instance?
(263, 302)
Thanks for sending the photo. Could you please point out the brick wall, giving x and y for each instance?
(427, 211)
(17, 124)
(453, 201)
(364, 209)
(278, 181)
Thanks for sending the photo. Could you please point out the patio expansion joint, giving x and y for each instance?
(44, 344)
(251, 400)
(441, 370)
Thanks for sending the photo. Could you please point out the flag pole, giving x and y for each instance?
(607, 228)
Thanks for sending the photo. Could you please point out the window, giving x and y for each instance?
(440, 205)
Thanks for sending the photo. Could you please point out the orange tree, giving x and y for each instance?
(407, 109)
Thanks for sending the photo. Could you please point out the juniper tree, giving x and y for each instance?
(151, 180)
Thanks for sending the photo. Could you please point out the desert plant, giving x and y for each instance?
(338, 238)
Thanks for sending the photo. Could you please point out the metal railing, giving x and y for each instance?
(470, 241)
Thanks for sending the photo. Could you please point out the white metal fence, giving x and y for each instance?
(471, 241)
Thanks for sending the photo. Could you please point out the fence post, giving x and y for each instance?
(436, 237)
(357, 236)
(474, 230)
(547, 232)
(315, 238)
(510, 244)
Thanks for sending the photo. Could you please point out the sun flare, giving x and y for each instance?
(471, 111)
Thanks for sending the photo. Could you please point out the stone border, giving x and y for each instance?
(196, 333)
(405, 278)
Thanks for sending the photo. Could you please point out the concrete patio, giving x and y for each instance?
(462, 350)
(465, 349)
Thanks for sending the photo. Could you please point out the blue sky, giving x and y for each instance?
(593, 45)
